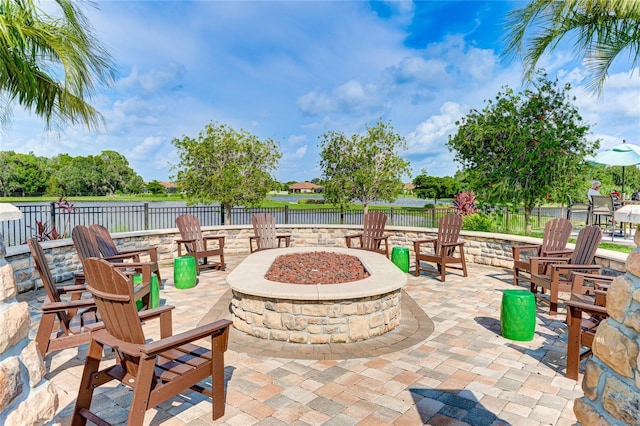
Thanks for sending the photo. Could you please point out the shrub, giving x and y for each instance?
(465, 203)
(428, 206)
(311, 201)
(478, 222)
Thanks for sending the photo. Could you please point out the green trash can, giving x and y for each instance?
(184, 272)
(400, 258)
(518, 315)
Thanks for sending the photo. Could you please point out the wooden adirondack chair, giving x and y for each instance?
(558, 276)
(156, 370)
(63, 322)
(443, 246)
(198, 246)
(581, 331)
(264, 228)
(84, 240)
(108, 249)
(554, 243)
(372, 235)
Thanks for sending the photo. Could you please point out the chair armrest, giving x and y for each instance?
(162, 345)
(578, 286)
(70, 289)
(185, 241)
(120, 256)
(51, 307)
(353, 236)
(454, 244)
(383, 238)
(348, 239)
(571, 267)
(218, 238)
(559, 253)
(536, 262)
(586, 307)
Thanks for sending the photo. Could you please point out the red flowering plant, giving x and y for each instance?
(45, 232)
(465, 203)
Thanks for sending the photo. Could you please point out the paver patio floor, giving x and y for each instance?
(447, 364)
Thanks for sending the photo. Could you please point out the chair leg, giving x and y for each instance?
(574, 318)
(141, 392)
(218, 346)
(464, 263)
(85, 393)
(44, 333)
(417, 274)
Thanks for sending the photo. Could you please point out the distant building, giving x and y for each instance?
(171, 187)
(305, 188)
(408, 188)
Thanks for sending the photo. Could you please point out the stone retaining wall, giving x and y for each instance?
(481, 247)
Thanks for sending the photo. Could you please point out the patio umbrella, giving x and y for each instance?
(624, 154)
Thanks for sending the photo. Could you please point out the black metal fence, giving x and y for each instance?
(138, 217)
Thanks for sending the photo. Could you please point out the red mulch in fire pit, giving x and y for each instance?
(317, 267)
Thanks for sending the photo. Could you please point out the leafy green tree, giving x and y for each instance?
(363, 167)
(156, 188)
(521, 148)
(434, 187)
(121, 178)
(22, 173)
(36, 49)
(602, 31)
(225, 165)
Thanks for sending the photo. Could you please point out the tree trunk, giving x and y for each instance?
(527, 220)
(227, 214)
(365, 208)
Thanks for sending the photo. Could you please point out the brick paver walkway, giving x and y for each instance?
(447, 364)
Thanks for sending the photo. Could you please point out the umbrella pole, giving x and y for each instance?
(623, 182)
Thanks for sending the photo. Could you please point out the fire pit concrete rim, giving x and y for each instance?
(248, 277)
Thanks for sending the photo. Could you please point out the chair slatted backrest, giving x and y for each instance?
(47, 279)
(264, 227)
(106, 245)
(556, 235)
(85, 243)
(189, 226)
(449, 227)
(587, 244)
(602, 205)
(374, 223)
(113, 294)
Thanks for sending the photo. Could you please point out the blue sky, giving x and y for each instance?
(293, 70)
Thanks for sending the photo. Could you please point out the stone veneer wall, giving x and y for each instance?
(25, 397)
(481, 247)
(612, 376)
(316, 322)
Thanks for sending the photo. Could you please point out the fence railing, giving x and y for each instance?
(124, 218)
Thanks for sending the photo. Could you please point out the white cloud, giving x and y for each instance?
(430, 136)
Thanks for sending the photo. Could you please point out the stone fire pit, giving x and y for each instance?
(316, 314)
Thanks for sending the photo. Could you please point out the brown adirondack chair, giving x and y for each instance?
(372, 235)
(581, 329)
(63, 322)
(558, 275)
(264, 228)
(84, 240)
(443, 247)
(197, 245)
(108, 249)
(554, 243)
(156, 370)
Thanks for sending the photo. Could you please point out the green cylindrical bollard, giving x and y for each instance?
(400, 258)
(518, 315)
(184, 272)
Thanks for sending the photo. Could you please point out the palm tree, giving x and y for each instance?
(603, 30)
(37, 48)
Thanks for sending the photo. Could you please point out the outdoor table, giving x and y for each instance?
(629, 213)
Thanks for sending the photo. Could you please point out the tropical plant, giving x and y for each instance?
(45, 232)
(37, 48)
(363, 167)
(465, 203)
(602, 30)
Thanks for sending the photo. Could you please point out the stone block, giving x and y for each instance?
(291, 322)
(619, 298)
(38, 409)
(621, 401)
(273, 320)
(358, 328)
(30, 357)
(11, 384)
(591, 377)
(15, 325)
(319, 339)
(298, 337)
(8, 287)
(615, 349)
